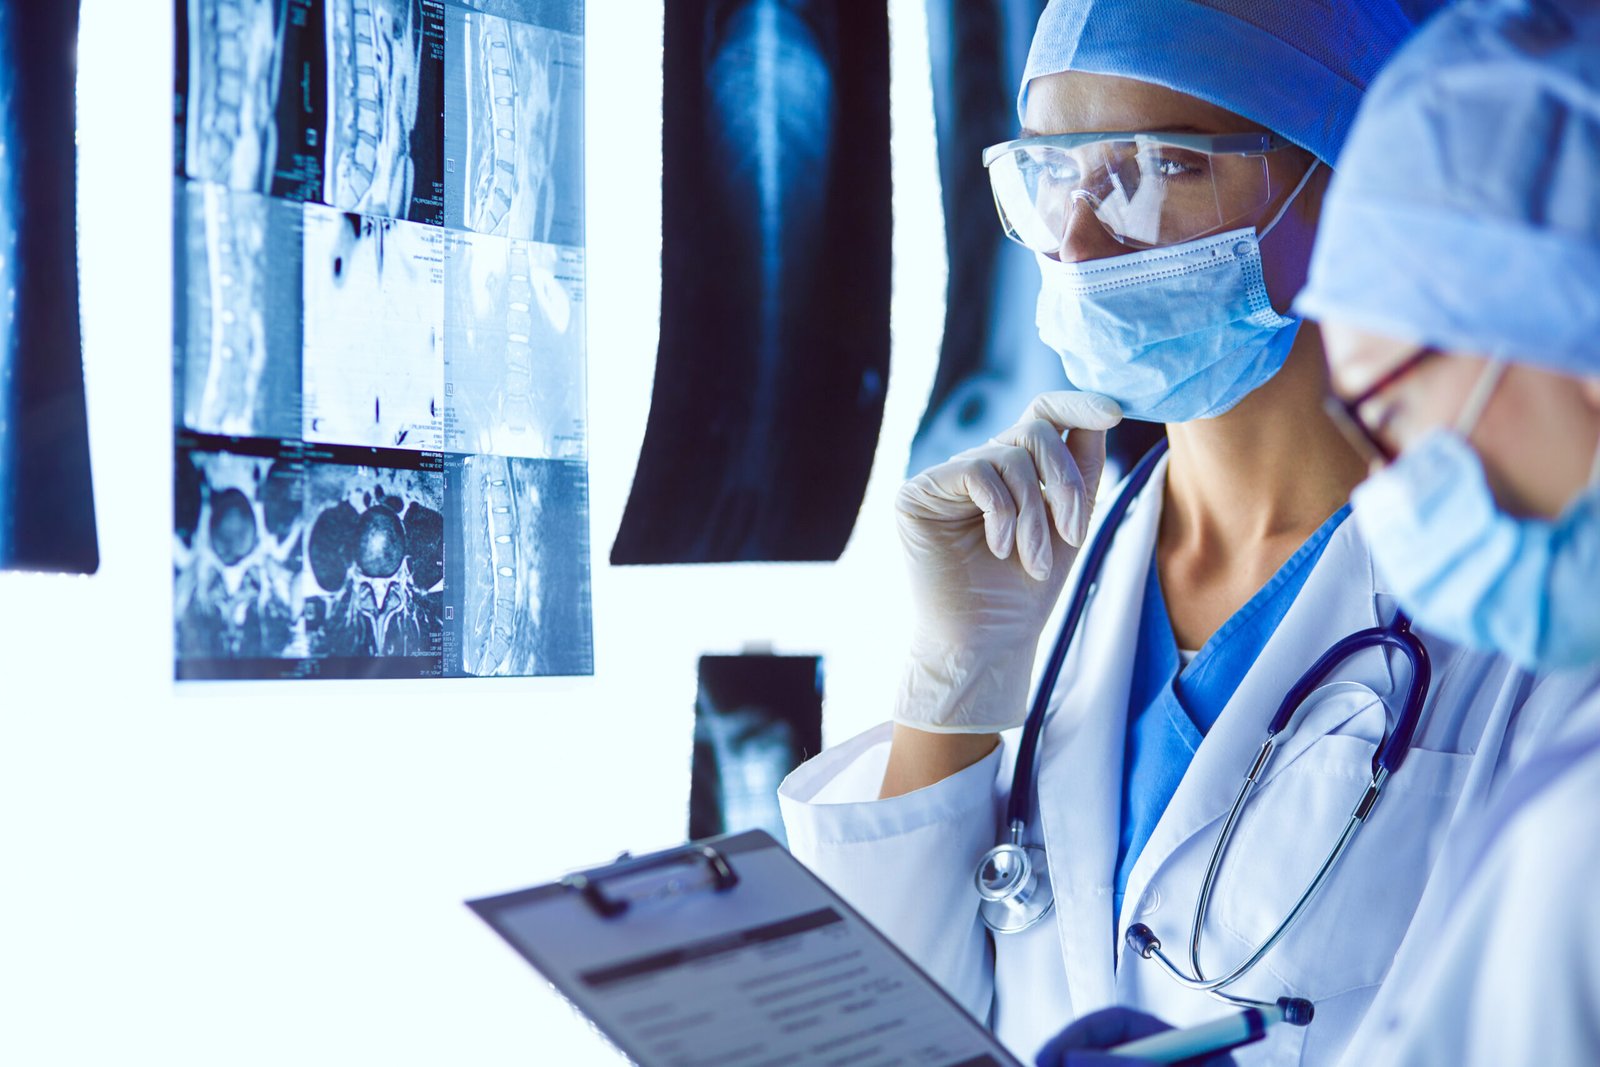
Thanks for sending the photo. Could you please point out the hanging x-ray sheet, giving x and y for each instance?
(774, 351)
(756, 718)
(381, 456)
(46, 499)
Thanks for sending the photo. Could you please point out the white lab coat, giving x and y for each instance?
(907, 863)
(1506, 968)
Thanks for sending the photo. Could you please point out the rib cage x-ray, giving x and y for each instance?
(47, 515)
(775, 283)
(381, 438)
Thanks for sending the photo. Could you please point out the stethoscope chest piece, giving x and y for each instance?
(1014, 884)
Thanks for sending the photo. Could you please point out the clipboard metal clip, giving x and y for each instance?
(718, 876)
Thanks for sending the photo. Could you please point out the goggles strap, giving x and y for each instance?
(1478, 399)
(1299, 186)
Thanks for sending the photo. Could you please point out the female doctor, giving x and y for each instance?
(1236, 548)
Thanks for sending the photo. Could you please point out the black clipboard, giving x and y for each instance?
(730, 952)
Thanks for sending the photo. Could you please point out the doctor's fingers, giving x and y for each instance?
(1082, 418)
(1015, 465)
(957, 491)
(1002, 482)
(1067, 409)
(1063, 485)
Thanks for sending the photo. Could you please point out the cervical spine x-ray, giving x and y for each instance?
(381, 451)
(756, 718)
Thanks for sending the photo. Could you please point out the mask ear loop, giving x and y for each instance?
(1478, 399)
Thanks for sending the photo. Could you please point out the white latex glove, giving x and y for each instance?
(990, 536)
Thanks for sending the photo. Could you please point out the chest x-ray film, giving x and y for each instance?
(381, 451)
(756, 718)
(774, 353)
(46, 499)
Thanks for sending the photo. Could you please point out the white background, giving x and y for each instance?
(272, 873)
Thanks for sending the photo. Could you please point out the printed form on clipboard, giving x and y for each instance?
(730, 952)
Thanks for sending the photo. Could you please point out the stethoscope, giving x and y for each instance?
(1013, 879)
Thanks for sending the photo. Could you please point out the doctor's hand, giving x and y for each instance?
(990, 536)
(1082, 1043)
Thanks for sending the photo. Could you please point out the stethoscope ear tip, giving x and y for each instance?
(1297, 1011)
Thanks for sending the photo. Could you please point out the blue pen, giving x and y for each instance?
(1219, 1035)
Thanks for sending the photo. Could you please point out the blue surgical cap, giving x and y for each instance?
(1466, 209)
(1294, 66)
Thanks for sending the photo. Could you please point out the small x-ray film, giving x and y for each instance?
(756, 718)
(513, 140)
(238, 268)
(374, 331)
(517, 599)
(514, 344)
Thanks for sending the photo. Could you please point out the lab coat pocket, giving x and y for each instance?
(1347, 937)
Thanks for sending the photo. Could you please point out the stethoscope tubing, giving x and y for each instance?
(1388, 757)
(1023, 777)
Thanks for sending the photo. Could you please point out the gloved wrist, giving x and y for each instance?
(956, 689)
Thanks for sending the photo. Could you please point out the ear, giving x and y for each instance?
(1589, 389)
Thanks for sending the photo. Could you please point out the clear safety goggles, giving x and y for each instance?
(1146, 189)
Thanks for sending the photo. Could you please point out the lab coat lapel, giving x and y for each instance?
(1080, 763)
(1337, 599)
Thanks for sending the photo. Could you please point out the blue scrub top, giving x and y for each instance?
(1169, 711)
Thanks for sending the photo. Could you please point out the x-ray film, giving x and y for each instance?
(513, 129)
(756, 718)
(238, 277)
(386, 108)
(238, 547)
(775, 272)
(375, 558)
(565, 16)
(514, 373)
(339, 102)
(47, 519)
(374, 331)
(295, 560)
(380, 426)
(517, 600)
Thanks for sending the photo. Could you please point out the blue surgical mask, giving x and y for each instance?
(1172, 334)
(1469, 572)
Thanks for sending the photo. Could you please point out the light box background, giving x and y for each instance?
(272, 873)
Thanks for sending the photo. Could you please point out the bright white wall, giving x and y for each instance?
(257, 873)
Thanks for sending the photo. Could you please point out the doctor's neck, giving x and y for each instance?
(1267, 473)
